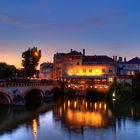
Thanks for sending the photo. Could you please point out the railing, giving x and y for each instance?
(23, 84)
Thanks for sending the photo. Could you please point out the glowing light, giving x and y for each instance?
(113, 95)
(36, 53)
(97, 70)
(34, 126)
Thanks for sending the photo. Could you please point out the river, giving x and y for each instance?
(71, 119)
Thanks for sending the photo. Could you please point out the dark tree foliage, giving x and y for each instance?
(30, 61)
(136, 86)
(7, 71)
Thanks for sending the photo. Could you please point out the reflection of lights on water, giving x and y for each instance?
(90, 104)
(60, 111)
(34, 126)
(85, 118)
(100, 105)
(105, 107)
(109, 113)
(75, 104)
(64, 105)
(95, 105)
(68, 103)
(86, 105)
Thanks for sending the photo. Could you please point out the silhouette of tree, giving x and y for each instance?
(136, 86)
(30, 61)
(7, 71)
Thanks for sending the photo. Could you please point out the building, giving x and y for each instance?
(46, 71)
(62, 60)
(132, 66)
(82, 72)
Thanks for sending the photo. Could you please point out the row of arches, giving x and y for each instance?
(6, 99)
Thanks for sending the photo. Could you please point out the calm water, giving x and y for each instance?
(71, 119)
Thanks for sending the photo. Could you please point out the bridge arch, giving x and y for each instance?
(33, 92)
(5, 98)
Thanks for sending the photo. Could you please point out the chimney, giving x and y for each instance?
(84, 52)
(115, 58)
(124, 59)
(70, 50)
(120, 59)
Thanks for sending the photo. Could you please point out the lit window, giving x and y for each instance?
(77, 71)
(110, 80)
(103, 70)
(71, 71)
(84, 70)
(97, 70)
(90, 70)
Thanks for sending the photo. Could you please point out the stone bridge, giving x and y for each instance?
(16, 93)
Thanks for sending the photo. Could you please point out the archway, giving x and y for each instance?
(4, 99)
(56, 92)
(33, 98)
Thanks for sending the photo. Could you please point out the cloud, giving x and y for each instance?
(94, 22)
(15, 21)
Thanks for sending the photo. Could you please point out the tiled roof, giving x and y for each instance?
(135, 60)
(97, 59)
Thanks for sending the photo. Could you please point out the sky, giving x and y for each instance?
(102, 27)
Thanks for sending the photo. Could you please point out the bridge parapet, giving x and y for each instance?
(15, 92)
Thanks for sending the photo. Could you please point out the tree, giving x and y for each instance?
(7, 71)
(136, 86)
(30, 61)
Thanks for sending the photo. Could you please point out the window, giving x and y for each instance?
(110, 71)
(97, 70)
(78, 63)
(90, 70)
(103, 70)
(84, 70)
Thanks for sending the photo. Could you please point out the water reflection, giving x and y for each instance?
(78, 113)
(71, 119)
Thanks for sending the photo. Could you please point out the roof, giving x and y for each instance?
(74, 53)
(70, 53)
(98, 59)
(135, 60)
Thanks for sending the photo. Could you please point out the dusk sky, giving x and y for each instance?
(102, 27)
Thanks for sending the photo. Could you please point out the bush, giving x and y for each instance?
(122, 91)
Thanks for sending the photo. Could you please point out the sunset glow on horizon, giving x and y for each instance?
(101, 27)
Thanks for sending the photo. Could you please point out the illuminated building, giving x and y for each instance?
(83, 72)
(62, 60)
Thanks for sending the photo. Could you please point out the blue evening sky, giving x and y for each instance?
(108, 27)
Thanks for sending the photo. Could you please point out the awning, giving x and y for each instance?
(86, 77)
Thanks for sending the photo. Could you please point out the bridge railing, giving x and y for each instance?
(23, 84)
